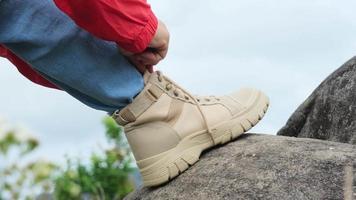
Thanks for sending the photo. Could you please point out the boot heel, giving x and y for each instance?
(172, 163)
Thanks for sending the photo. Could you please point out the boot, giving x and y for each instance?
(167, 128)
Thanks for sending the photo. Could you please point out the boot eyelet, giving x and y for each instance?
(168, 87)
(186, 97)
(175, 93)
(116, 113)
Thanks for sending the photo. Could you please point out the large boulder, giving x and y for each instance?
(265, 167)
(330, 112)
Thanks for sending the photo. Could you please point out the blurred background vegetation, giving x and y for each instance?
(108, 175)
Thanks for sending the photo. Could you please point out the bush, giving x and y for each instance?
(107, 175)
(22, 181)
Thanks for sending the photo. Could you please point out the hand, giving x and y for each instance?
(156, 51)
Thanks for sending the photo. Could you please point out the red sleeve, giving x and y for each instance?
(129, 23)
(24, 68)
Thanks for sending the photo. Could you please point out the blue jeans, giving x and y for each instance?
(88, 68)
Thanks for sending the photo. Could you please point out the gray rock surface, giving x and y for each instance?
(265, 167)
(330, 112)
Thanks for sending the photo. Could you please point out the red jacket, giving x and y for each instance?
(129, 23)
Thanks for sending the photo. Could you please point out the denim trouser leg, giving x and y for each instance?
(86, 67)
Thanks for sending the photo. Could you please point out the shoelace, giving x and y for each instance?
(172, 85)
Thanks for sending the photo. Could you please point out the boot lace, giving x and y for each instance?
(178, 90)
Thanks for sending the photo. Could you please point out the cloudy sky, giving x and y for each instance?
(284, 47)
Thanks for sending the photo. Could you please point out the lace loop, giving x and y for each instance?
(187, 94)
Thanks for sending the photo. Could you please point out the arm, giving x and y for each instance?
(129, 23)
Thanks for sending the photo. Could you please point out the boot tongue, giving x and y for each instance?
(147, 76)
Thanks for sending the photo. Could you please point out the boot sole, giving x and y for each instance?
(170, 164)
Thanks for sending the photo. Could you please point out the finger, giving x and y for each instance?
(142, 67)
(163, 52)
(150, 68)
(149, 58)
(138, 64)
(160, 42)
(162, 49)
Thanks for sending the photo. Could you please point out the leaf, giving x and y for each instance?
(30, 145)
(7, 142)
(113, 130)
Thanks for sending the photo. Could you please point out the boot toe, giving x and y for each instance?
(246, 96)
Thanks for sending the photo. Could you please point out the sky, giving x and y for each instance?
(283, 47)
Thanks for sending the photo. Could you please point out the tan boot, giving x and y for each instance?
(167, 128)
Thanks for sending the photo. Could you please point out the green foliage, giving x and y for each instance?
(20, 181)
(113, 131)
(105, 177)
(10, 140)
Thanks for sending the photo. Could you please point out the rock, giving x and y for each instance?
(330, 112)
(265, 167)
